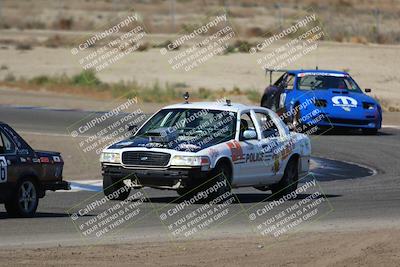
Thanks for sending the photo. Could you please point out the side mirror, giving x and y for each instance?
(249, 134)
(368, 90)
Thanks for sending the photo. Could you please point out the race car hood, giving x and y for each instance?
(331, 93)
(343, 103)
(178, 145)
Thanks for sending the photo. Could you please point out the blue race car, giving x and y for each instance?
(324, 98)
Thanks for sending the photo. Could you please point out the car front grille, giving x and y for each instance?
(145, 158)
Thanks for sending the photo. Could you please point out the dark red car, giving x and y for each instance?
(26, 174)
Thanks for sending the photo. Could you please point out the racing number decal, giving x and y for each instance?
(236, 150)
(3, 170)
(345, 102)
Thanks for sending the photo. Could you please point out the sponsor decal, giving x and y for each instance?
(44, 160)
(188, 147)
(321, 74)
(3, 170)
(36, 160)
(56, 159)
(288, 149)
(345, 102)
(236, 151)
(276, 166)
(254, 157)
(22, 159)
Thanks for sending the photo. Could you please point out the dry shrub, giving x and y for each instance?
(143, 47)
(254, 32)
(63, 24)
(358, 40)
(23, 46)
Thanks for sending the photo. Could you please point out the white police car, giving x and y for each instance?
(185, 145)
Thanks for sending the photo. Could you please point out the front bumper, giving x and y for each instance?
(168, 178)
(350, 123)
(329, 120)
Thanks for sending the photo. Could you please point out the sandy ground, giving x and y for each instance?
(344, 248)
(373, 66)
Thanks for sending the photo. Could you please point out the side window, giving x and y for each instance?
(307, 83)
(6, 146)
(268, 126)
(289, 82)
(279, 81)
(246, 123)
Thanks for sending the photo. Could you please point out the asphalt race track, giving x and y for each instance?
(363, 191)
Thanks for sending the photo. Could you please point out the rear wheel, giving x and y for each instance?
(25, 199)
(289, 181)
(115, 189)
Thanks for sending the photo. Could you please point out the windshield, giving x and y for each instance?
(192, 125)
(324, 82)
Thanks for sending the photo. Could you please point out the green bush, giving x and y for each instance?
(253, 95)
(86, 78)
(40, 80)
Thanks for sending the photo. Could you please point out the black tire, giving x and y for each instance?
(289, 181)
(24, 200)
(115, 189)
(222, 172)
(370, 131)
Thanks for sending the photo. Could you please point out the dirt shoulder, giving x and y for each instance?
(360, 248)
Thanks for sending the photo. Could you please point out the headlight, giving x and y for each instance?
(367, 105)
(110, 157)
(190, 161)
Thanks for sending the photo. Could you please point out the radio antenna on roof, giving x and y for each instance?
(186, 97)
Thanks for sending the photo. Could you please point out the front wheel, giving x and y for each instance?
(219, 183)
(289, 181)
(115, 189)
(24, 200)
